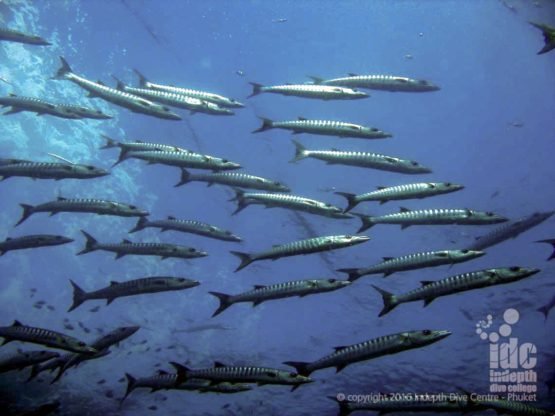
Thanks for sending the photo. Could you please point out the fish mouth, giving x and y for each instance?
(531, 272)
(360, 238)
(236, 238)
(171, 116)
(194, 283)
(442, 334)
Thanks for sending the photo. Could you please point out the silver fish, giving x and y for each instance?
(321, 92)
(182, 160)
(25, 359)
(431, 290)
(379, 82)
(32, 241)
(36, 105)
(233, 179)
(21, 37)
(47, 170)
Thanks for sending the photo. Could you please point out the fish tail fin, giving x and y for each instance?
(351, 200)
(131, 383)
(246, 259)
(185, 178)
(300, 152)
(119, 83)
(316, 80)
(61, 371)
(142, 79)
(109, 142)
(224, 302)
(90, 244)
(267, 124)
(544, 310)
(122, 156)
(300, 366)
(141, 225)
(367, 222)
(552, 242)
(256, 89)
(354, 274)
(343, 406)
(79, 296)
(35, 370)
(548, 37)
(182, 372)
(389, 301)
(241, 202)
(27, 212)
(63, 70)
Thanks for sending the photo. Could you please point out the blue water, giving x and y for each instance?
(482, 54)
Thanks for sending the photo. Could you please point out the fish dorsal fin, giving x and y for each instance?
(162, 373)
(61, 198)
(17, 323)
(379, 188)
(100, 82)
(426, 282)
(387, 258)
(113, 283)
(126, 241)
(11, 94)
(302, 118)
(276, 245)
(339, 348)
(352, 74)
(218, 364)
(8, 239)
(403, 209)
(259, 286)
(171, 217)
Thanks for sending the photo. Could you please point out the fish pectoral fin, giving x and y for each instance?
(403, 226)
(119, 255)
(428, 301)
(340, 367)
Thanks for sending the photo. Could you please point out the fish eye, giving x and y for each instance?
(225, 160)
(427, 332)
(374, 129)
(180, 279)
(448, 184)
(293, 374)
(413, 163)
(81, 344)
(514, 269)
(490, 214)
(332, 280)
(132, 207)
(464, 251)
(192, 250)
(227, 232)
(90, 167)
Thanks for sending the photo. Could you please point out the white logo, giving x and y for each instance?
(511, 362)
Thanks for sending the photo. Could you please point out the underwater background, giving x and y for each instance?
(490, 128)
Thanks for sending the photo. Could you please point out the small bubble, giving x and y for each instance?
(494, 337)
(484, 336)
(479, 331)
(511, 316)
(489, 317)
(505, 330)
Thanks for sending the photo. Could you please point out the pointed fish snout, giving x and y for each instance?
(442, 334)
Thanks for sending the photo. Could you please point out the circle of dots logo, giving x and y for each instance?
(510, 317)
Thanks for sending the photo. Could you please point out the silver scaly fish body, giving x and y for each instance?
(21, 37)
(380, 82)
(45, 170)
(234, 179)
(406, 217)
(24, 359)
(374, 348)
(431, 290)
(401, 192)
(182, 160)
(321, 92)
(390, 265)
(301, 247)
(360, 159)
(32, 241)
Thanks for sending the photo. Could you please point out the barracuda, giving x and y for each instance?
(510, 230)
(182, 160)
(401, 192)
(126, 247)
(301, 247)
(32, 241)
(431, 290)
(94, 206)
(360, 159)
(550, 241)
(548, 33)
(19, 332)
(234, 179)
(233, 374)
(134, 287)
(46, 170)
(262, 293)
(406, 217)
(50, 365)
(21, 37)
(390, 265)
(510, 407)
(451, 403)
(374, 348)
(131, 102)
(83, 112)
(25, 359)
(194, 105)
(293, 202)
(168, 381)
(324, 127)
(380, 82)
(139, 145)
(36, 105)
(102, 345)
(320, 92)
(187, 226)
(202, 95)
